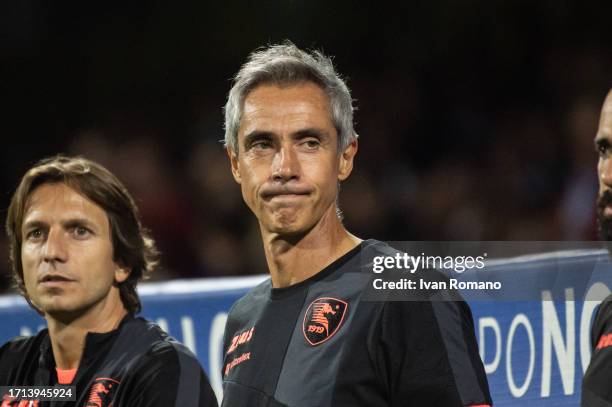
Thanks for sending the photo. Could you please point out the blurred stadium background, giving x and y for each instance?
(476, 117)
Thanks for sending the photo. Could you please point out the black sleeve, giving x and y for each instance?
(169, 375)
(596, 389)
(430, 355)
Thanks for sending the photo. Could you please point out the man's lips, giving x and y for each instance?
(284, 193)
(54, 279)
(287, 196)
(607, 211)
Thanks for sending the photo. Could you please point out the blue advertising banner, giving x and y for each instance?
(535, 351)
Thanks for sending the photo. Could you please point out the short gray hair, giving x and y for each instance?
(286, 64)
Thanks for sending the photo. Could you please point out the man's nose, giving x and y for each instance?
(285, 165)
(55, 246)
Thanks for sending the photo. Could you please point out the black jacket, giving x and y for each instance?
(136, 365)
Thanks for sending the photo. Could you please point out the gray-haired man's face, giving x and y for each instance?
(288, 164)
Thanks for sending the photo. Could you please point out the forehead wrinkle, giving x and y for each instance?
(272, 109)
(75, 206)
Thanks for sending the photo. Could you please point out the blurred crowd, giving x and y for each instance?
(479, 133)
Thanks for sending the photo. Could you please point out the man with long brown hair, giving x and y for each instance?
(78, 250)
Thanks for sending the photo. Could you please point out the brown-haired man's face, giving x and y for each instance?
(67, 253)
(288, 164)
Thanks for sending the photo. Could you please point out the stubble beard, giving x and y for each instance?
(604, 222)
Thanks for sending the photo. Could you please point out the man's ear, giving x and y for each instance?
(121, 274)
(233, 158)
(346, 160)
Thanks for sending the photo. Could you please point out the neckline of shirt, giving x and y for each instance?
(280, 293)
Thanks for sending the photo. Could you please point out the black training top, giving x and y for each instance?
(596, 388)
(136, 365)
(319, 343)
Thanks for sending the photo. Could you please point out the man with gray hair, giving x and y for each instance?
(306, 336)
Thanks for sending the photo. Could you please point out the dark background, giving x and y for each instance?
(476, 117)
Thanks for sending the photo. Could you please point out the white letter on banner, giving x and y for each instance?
(520, 319)
(25, 331)
(215, 353)
(489, 322)
(597, 292)
(163, 324)
(188, 334)
(552, 336)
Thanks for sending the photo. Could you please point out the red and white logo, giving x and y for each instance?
(239, 339)
(323, 319)
(102, 392)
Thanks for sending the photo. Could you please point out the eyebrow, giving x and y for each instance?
(79, 222)
(300, 134)
(311, 132)
(68, 223)
(256, 135)
(33, 224)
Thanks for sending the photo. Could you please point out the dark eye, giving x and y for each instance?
(261, 144)
(35, 234)
(312, 143)
(602, 149)
(80, 231)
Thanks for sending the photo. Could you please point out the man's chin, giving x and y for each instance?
(60, 310)
(287, 226)
(288, 229)
(284, 220)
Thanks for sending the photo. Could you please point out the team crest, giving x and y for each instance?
(102, 392)
(323, 319)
